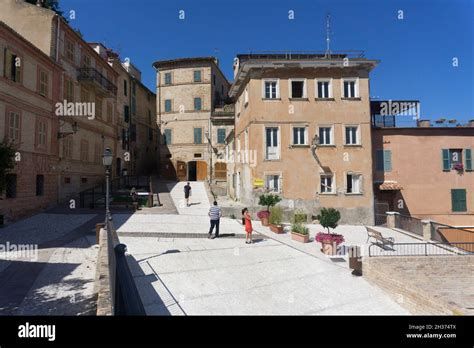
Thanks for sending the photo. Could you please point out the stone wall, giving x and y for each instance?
(426, 285)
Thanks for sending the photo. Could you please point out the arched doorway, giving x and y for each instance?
(197, 171)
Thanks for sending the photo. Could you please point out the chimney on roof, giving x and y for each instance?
(470, 123)
(423, 123)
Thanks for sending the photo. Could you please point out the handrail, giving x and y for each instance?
(422, 249)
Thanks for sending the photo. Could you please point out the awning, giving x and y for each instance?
(390, 186)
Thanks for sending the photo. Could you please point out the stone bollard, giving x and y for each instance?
(97, 231)
(426, 229)
(393, 218)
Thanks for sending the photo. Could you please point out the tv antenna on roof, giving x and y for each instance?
(328, 33)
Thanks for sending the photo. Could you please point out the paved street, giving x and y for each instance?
(179, 271)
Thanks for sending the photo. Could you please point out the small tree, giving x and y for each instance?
(268, 200)
(329, 217)
(7, 162)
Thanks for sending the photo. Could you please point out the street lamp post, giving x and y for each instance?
(107, 162)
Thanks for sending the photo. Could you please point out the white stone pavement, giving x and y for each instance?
(199, 276)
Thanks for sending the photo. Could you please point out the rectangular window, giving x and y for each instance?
(39, 185)
(327, 183)
(12, 66)
(126, 113)
(168, 78)
(300, 136)
(324, 89)
(69, 90)
(10, 185)
(273, 183)
(69, 49)
(198, 155)
(197, 135)
(83, 180)
(43, 83)
(167, 137)
(14, 126)
(298, 89)
(454, 157)
(41, 133)
(125, 87)
(168, 105)
(221, 136)
(350, 88)
(67, 147)
(383, 160)
(458, 200)
(353, 182)
(67, 180)
(197, 75)
(197, 104)
(352, 135)
(272, 143)
(84, 151)
(270, 89)
(325, 136)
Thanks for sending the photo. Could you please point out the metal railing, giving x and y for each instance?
(410, 224)
(446, 233)
(380, 219)
(92, 74)
(124, 294)
(421, 249)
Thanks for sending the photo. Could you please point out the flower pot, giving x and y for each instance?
(302, 238)
(276, 228)
(264, 221)
(329, 248)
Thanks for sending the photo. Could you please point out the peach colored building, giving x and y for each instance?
(415, 172)
(303, 130)
(29, 89)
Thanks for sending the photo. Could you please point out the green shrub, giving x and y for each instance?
(329, 217)
(268, 200)
(299, 217)
(299, 228)
(276, 215)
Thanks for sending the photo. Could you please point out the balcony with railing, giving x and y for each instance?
(96, 80)
(223, 113)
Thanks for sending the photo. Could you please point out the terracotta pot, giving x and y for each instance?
(264, 221)
(302, 238)
(329, 248)
(276, 228)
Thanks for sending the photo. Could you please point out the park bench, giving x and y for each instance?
(379, 239)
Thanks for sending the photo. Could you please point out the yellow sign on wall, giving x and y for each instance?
(258, 182)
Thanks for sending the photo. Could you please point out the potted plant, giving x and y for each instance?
(276, 216)
(328, 218)
(263, 215)
(458, 167)
(266, 200)
(299, 233)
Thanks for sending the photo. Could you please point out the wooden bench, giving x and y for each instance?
(379, 239)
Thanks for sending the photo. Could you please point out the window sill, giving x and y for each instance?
(324, 99)
(352, 145)
(355, 98)
(353, 194)
(326, 145)
(299, 145)
(271, 99)
(271, 160)
(299, 99)
(328, 194)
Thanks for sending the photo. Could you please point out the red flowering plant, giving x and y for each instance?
(458, 167)
(262, 214)
(328, 218)
(331, 238)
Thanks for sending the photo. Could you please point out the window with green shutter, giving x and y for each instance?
(197, 135)
(167, 137)
(168, 105)
(468, 160)
(383, 160)
(458, 200)
(197, 104)
(221, 136)
(446, 160)
(379, 160)
(197, 75)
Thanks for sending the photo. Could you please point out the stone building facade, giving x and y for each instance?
(29, 89)
(194, 116)
(302, 130)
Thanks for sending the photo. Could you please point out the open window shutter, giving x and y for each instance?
(387, 160)
(446, 160)
(468, 159)
(458, 200)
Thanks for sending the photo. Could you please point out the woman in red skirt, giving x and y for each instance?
(247, 222)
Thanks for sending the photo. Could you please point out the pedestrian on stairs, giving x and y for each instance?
(215, 214)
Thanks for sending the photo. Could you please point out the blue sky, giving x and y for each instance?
(416, 52)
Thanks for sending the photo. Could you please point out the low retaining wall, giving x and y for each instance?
(437, 285)
(104, 292)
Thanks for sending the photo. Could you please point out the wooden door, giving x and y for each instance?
(181, 170)
(220, 171)
(201, 170)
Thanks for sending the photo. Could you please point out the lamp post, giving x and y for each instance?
(107, 162)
